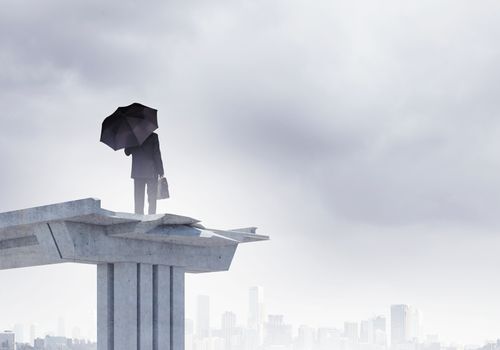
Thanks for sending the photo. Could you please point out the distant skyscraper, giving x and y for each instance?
(61, 327)
(256, 309)
(328, 338)
(32, 333)
(306, 338)
(256, 313)
(379, 331)
(7, 340)
(55, 343)
(19, 332)
(415, 325)
(406, 324)
(351, 331)
(39, 344)
(228, 329)
(277, 333)
(379, 324)
(366, 332)
(189, 331)
(76, 333)
(399, 324)
(203, 316)
(189, 326)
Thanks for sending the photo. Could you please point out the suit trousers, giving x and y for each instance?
(139, 193)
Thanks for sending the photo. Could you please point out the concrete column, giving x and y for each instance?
(162, 308)
(126, 320)
(140, 307)
(178, 312)
(146, 307)
(105, 307)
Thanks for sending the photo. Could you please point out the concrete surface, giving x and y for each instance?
(141, 263)
(81, 231)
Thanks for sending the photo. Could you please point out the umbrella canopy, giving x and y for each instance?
(129, 126)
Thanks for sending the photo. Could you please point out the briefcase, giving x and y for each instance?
(163, 192)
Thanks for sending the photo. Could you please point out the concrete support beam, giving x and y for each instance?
(140, 307)
(162, 307)
(146, 306)
(177, 308)
(105, 307)
(126, 318)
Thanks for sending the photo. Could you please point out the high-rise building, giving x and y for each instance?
(415, 331)
(189, 331)
(208, 343)
(328, 339)
(277, 333)
(61, 327)
(351, 331)
(39, 344)
(189, 326)
(379, 324)
(76, 333)
(32, 333)
(256, 305)
(256, 313)
(55, 343)
(379, 331)
(306, 338)
(249, 339)
(399, 324)
(366, 332)
(406, 324)
(203, 316)
(19, 332)
(7, 340)
(228, 330)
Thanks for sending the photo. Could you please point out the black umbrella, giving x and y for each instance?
(129, 126)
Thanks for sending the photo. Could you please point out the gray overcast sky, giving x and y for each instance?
(361, 135)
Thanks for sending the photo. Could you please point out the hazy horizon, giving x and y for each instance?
(361, 136)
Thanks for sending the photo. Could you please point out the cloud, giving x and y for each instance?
(103, 45)
(388, 122)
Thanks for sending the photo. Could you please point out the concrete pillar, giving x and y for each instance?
(105, 307)
(140, 307)
(146, 307)
(177, 304)
(126, 318)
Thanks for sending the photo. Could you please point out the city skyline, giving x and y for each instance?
(409, 319)
(402, 324)
(10, 341)
(402, 327)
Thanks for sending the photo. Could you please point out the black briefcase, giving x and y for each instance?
(163, 192)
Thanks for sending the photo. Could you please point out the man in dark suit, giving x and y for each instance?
(146, 167)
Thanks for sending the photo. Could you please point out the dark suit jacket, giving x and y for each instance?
(146, 159)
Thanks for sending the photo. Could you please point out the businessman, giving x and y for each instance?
(147, 166)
